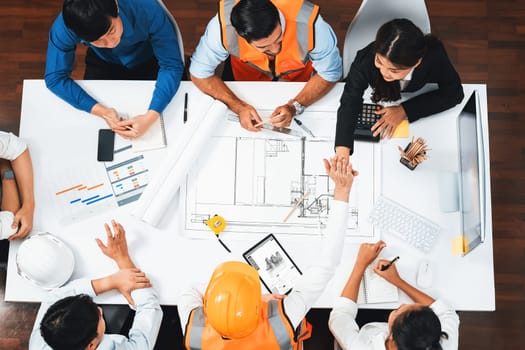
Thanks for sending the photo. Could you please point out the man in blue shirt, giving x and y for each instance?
(126, 39)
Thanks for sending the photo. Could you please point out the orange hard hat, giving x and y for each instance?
(232, 301)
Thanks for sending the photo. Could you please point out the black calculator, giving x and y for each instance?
(365, 120)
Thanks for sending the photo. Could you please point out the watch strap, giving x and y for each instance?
(8, 174)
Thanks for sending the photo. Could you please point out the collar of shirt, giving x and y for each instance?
(403, 83)
(378, 342)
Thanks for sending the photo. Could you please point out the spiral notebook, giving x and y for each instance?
(375, 289)
(154, 138)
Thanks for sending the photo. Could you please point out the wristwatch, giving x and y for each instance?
(8, 174)
(299, 108)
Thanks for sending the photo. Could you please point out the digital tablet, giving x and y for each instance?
(277, 271)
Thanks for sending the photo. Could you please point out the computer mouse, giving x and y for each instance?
(424, 274)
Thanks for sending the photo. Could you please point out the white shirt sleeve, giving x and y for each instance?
(210, 52)
(148, 317)
(342, 321)
(6, 220)
(190, 299)
(449, 324)
(310, 285)
(325, 56)
(10, 146)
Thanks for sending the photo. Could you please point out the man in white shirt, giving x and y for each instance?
(295, 306)
(426, 324)
(18, 203)
(69, 319)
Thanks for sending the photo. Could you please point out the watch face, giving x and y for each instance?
(8, 174)
(299, 108)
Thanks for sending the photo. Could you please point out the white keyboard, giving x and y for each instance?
(393, 218)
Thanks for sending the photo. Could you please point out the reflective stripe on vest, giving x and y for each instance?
(298, 41)
(274, 332)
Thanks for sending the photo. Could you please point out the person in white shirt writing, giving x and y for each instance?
(427, 324)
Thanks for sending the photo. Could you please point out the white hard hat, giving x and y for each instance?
(45, 260)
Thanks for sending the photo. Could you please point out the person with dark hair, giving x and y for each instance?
(70, 320)
(126, 40)
(427, 324)
(263, 40)
(401, 59)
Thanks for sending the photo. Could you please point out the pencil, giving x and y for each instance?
(263, 122)
(297, 204)
(128, 127)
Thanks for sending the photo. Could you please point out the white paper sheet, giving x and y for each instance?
(179, 160)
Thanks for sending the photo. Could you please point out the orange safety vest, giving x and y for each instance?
(274, 332)
(292, 63)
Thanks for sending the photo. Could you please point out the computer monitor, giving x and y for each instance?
(471, 174)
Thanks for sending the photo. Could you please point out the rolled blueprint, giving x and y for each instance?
(162, 189)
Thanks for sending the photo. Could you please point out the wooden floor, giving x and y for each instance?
(485, 40)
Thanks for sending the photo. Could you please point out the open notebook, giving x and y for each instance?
(154, 138)
(375, 289)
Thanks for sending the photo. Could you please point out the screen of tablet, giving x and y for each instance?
(276, 269)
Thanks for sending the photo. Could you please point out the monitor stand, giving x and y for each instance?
(448, 185)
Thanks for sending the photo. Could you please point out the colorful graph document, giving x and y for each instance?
(127, 175)
(81, 191)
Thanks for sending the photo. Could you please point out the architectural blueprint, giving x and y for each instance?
(266, 182)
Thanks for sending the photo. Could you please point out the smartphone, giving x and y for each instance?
(106, 145)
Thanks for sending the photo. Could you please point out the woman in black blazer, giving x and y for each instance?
(401, 59)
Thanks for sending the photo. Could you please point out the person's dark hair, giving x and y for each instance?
(403, 44)
(89, 19)
(70, 323)
(418, 329)
(254, 19)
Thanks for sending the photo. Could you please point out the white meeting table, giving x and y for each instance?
(58, 134)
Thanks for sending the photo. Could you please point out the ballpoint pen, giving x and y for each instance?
(185, 116)
(300, 123)
(385, 267)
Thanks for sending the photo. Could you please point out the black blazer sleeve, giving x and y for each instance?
(351, 101)
(434, 68)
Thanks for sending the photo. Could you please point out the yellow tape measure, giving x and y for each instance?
(217, 224)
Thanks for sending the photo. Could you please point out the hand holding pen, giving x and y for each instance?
(387, 269)
(138, 125)
(386, 266)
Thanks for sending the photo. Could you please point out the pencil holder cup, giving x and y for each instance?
(414, 153)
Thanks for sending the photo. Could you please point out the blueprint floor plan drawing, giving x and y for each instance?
(255, 181)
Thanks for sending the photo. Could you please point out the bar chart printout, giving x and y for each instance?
(82, 191)
(127, 174)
